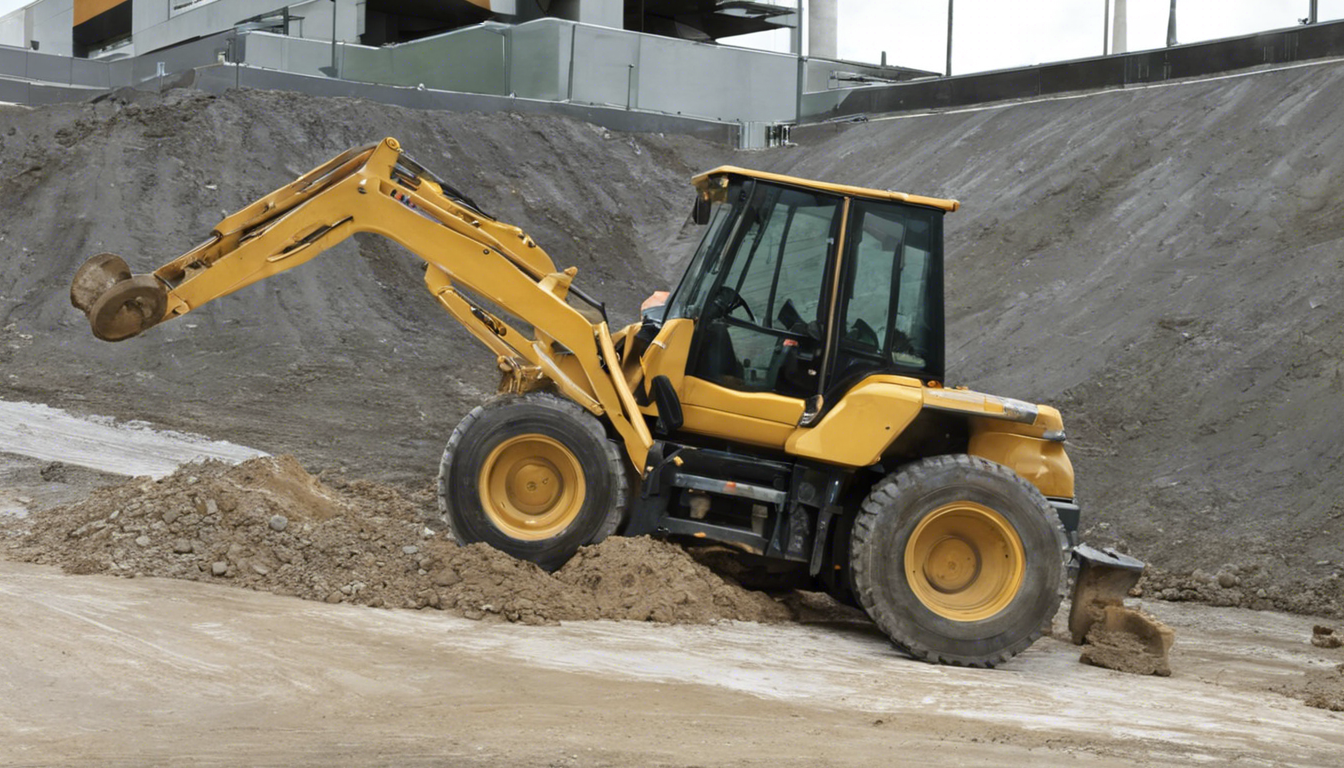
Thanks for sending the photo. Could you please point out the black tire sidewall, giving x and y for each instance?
(512, 418)
(905, 617)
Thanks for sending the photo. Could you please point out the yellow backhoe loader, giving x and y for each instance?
(787, 400)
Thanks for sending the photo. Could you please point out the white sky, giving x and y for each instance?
(994, 34)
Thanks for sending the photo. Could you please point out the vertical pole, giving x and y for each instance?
(800, 77)
(800, 72)
(333, 38)
(948, 71)
(1119, 27)
(1105, 26)
(506, 50)
(1311, 15)
(797, 42)
(1171, 25)
(573, 38)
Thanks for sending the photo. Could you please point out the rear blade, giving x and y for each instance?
(1104, 578)
(1114, 635)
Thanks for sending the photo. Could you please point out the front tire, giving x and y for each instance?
(958, 560)
(532, 475)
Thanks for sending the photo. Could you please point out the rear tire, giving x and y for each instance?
(532, 475)
(958, 560)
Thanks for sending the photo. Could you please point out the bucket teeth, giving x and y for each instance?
(94, 277)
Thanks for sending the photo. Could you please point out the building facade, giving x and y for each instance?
(119, 28)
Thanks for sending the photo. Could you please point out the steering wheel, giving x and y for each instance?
(863, 334)
(792, 321)
(728, 300)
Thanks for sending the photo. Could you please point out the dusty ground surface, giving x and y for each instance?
(1162, 264)
(140, 670)
(105, 671)
(28, 484)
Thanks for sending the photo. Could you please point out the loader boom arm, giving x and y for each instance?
(470, 257)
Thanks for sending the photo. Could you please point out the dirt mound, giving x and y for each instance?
(267, 524)
(646, 580)
(1245, 587)
(264, 524)
(622, 579)
(1129, 640)
(1322, 688)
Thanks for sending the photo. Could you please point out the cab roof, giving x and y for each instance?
(701, 181)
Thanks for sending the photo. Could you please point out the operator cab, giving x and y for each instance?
(801, 289)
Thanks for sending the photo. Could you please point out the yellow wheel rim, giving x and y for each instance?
(531, 487)
(964, 561)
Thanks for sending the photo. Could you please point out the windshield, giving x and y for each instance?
(699, 276)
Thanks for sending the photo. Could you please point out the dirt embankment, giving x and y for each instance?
(266, 524)
(347, 361)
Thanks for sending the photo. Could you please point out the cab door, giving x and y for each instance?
(760, 317)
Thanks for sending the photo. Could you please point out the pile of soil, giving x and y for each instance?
(1322, 687)
(267, 524)
(1245, 587)
(1128, 640)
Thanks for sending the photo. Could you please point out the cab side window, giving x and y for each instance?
(892, 310)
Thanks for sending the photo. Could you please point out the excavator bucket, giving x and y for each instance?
(94, 277)
(117, 304)
(1115, 636)
(1104, 578)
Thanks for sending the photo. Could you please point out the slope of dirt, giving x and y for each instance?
(348, 360)
(1166, 266)
(266, 524)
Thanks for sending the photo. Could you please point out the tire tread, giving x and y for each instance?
(883, 496)
(566, 410)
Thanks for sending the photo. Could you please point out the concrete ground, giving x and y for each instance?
(105, 671)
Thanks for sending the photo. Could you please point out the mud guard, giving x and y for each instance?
(1104, 578)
